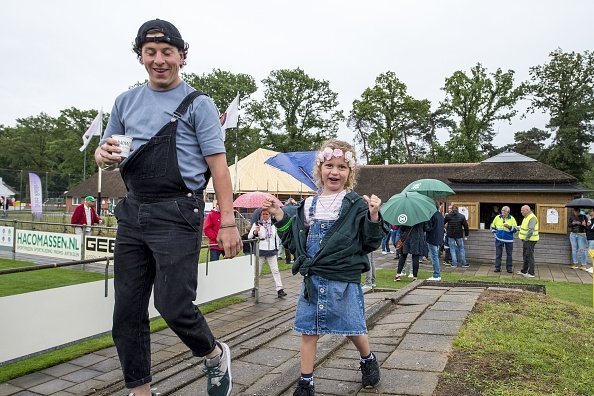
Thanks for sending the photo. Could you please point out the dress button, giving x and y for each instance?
(321, 306)
(172, 119)
(189, 194)
(196, 210)
(321, 290)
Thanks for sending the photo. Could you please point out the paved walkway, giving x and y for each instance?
(411, 330)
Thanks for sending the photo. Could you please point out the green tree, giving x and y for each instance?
(564, 88)
(476, 101)
(531, 143)
(222, 86)
(297, 113)
(390, 124)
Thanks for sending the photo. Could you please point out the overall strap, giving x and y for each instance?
(183, 106)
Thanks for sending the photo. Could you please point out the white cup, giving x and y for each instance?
(125, 142)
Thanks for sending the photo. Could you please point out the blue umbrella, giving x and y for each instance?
(297, 164)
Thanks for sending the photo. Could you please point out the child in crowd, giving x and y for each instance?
(268, 246)
(330, 236)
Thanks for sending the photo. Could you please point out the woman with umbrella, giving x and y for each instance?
(413, 243)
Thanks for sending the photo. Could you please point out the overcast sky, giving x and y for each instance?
(62, 54)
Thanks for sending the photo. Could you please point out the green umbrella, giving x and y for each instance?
(429, 187)
(408, 208)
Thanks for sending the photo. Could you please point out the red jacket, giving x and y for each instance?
(79, 217)
(211, 228)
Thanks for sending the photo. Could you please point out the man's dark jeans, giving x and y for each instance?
(509, 248)
(528, 256)
(157, 244)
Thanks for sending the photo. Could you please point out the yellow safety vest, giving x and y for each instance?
(524, 228)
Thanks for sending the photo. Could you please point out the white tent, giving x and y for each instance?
(6, 191)
(253, 174)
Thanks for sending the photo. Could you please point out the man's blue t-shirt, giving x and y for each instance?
(141, 112)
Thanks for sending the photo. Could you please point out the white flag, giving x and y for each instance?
(94, 130)
(230, 117)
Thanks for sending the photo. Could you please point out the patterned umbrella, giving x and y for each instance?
(429, 187)
(253, 200)
(408, 208)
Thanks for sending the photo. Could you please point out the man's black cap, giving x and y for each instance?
(170, 34)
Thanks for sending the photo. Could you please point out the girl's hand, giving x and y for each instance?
(374, 204)
(275, 210)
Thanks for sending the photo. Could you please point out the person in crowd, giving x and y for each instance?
(456, 231)
(176, 146)
(268, 245)
(576, 225)
(211, 230)
(590, 238)
(395, 236)
(386, 242)
(529, 236)
(447, 257)
(369, 282)
(434, 237)
(413, 243)
(85, 216)
(504, 227)
(331, 236)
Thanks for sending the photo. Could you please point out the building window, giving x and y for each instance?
(75, 200)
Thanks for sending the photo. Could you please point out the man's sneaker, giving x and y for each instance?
(433, 278)
(589, 269)
(465, 265)
(510, 271)
(414, 278)
(281, 293)
(454, 265)
(305, 388)
(410, 275)
(370, 373)
(366, 287)
(520, 272)
(218, 370)
(152, 393)
(384, 252)
(497, 270)
(574, 266)
(584, 268)
(397, 278)
(527, 275)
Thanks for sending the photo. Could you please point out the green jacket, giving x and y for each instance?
(344, 248)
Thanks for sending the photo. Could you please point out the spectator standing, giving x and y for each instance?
(590, 237)
(85, 216)
(576, 225)
(434, 236)
(212, 224)
(414, 243)
(456, 232)
(504, 227)
(529, 236)
(268, 244)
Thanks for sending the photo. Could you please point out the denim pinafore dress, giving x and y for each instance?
(334, 307)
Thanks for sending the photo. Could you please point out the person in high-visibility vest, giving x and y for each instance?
(504, 227)
(529, 236)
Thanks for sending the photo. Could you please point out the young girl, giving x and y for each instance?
(330, 236)
(268, 247)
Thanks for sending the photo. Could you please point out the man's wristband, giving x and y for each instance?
(228, 225)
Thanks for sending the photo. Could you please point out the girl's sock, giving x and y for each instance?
(368, 358)
(307, 377)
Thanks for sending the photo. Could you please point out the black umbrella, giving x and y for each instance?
(580, 203)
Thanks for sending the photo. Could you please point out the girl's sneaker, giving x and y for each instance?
(397, 278)
(410, 275)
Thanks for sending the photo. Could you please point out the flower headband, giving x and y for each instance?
(328, 153)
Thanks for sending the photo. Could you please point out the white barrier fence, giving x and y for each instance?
(42, 320)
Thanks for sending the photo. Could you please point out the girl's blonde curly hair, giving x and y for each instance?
(345, 147)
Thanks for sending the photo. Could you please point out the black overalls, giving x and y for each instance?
(157, 244)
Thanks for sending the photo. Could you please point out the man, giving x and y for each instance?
(85, 215)
(211, 230)
(529, 236)
(456, 230)
(434, 237)
(177, 143)
(576, 225)
(504, 227)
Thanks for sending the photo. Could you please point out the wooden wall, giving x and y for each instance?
(550, 249)
(543, 202)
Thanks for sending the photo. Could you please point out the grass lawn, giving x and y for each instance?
(25, 282)
(517, 343)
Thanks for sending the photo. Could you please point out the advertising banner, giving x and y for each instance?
(52, 244)
(6, 238)
(98, 246)
(36, 194)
